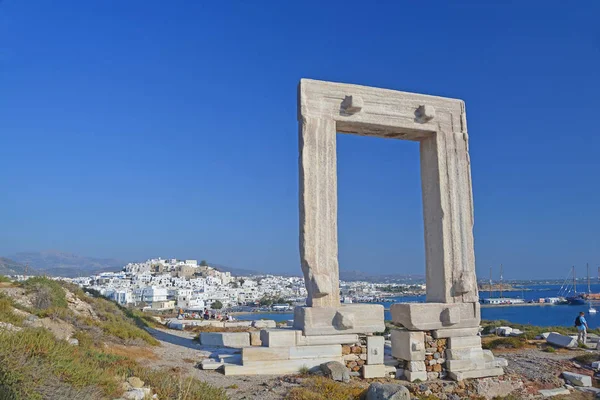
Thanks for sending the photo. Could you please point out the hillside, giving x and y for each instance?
(57, 263)
(58, 342)
(11, 267)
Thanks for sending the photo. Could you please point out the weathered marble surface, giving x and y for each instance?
(439, 124)
(344, 319)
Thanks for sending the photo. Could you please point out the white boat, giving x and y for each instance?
(591, 310)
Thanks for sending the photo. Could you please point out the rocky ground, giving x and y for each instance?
(529, 370)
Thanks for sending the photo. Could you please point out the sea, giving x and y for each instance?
(540, 315)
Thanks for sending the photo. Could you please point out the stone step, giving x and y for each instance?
(278, 367)
(254, 354)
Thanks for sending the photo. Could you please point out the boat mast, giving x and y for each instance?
(588, 272)
(491, 281)
(574, 281)
(501, 281)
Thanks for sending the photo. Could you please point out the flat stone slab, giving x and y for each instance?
(345, 319)
(578, 379)
(554, 392)
(435, 316)
(559, 340)
(225, 339)
(480, 373)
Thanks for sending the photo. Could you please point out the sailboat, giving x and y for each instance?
(575, 299)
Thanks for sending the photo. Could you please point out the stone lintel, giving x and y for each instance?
(435, 316)
(341, 320)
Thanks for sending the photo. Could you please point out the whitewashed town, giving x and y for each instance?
(166, 284)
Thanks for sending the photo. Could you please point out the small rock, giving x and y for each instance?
(135, 382)
(74, 342)
(390, 391)
(336, 371)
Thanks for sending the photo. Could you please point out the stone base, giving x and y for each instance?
(434, 316)
(458, 353)
(345, 319)
(286, 351)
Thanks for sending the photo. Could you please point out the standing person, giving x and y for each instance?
(582, 328)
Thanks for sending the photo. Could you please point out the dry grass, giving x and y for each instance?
(133, 352)
(320, 388)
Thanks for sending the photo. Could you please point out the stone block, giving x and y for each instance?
(480, 373)
(415, 366)
(435, 316)
(408, 345)
(264, 323)
(375, 350)
(250, 354)
(321, 351)
(373, 371)
(255, 338)
(559, 340)
(278, 337)
(302, 340)
(225, 339)
(468, 353)
(447, 333)
(577, 379)
(347, 318)
(464, 342)
(278, 367)
(596, 365)
(465, 365)
(412, 376)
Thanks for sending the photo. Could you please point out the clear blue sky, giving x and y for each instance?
(135, 129)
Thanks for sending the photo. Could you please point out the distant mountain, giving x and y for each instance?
(57, 263)
(11, 267)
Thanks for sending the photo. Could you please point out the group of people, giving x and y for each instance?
(206, 315)
(216, 315)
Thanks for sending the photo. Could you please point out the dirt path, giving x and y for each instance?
(180, 352)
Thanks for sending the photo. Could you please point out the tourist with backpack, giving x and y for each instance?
(582, 328)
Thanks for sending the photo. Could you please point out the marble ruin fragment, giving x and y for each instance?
(434, 339)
